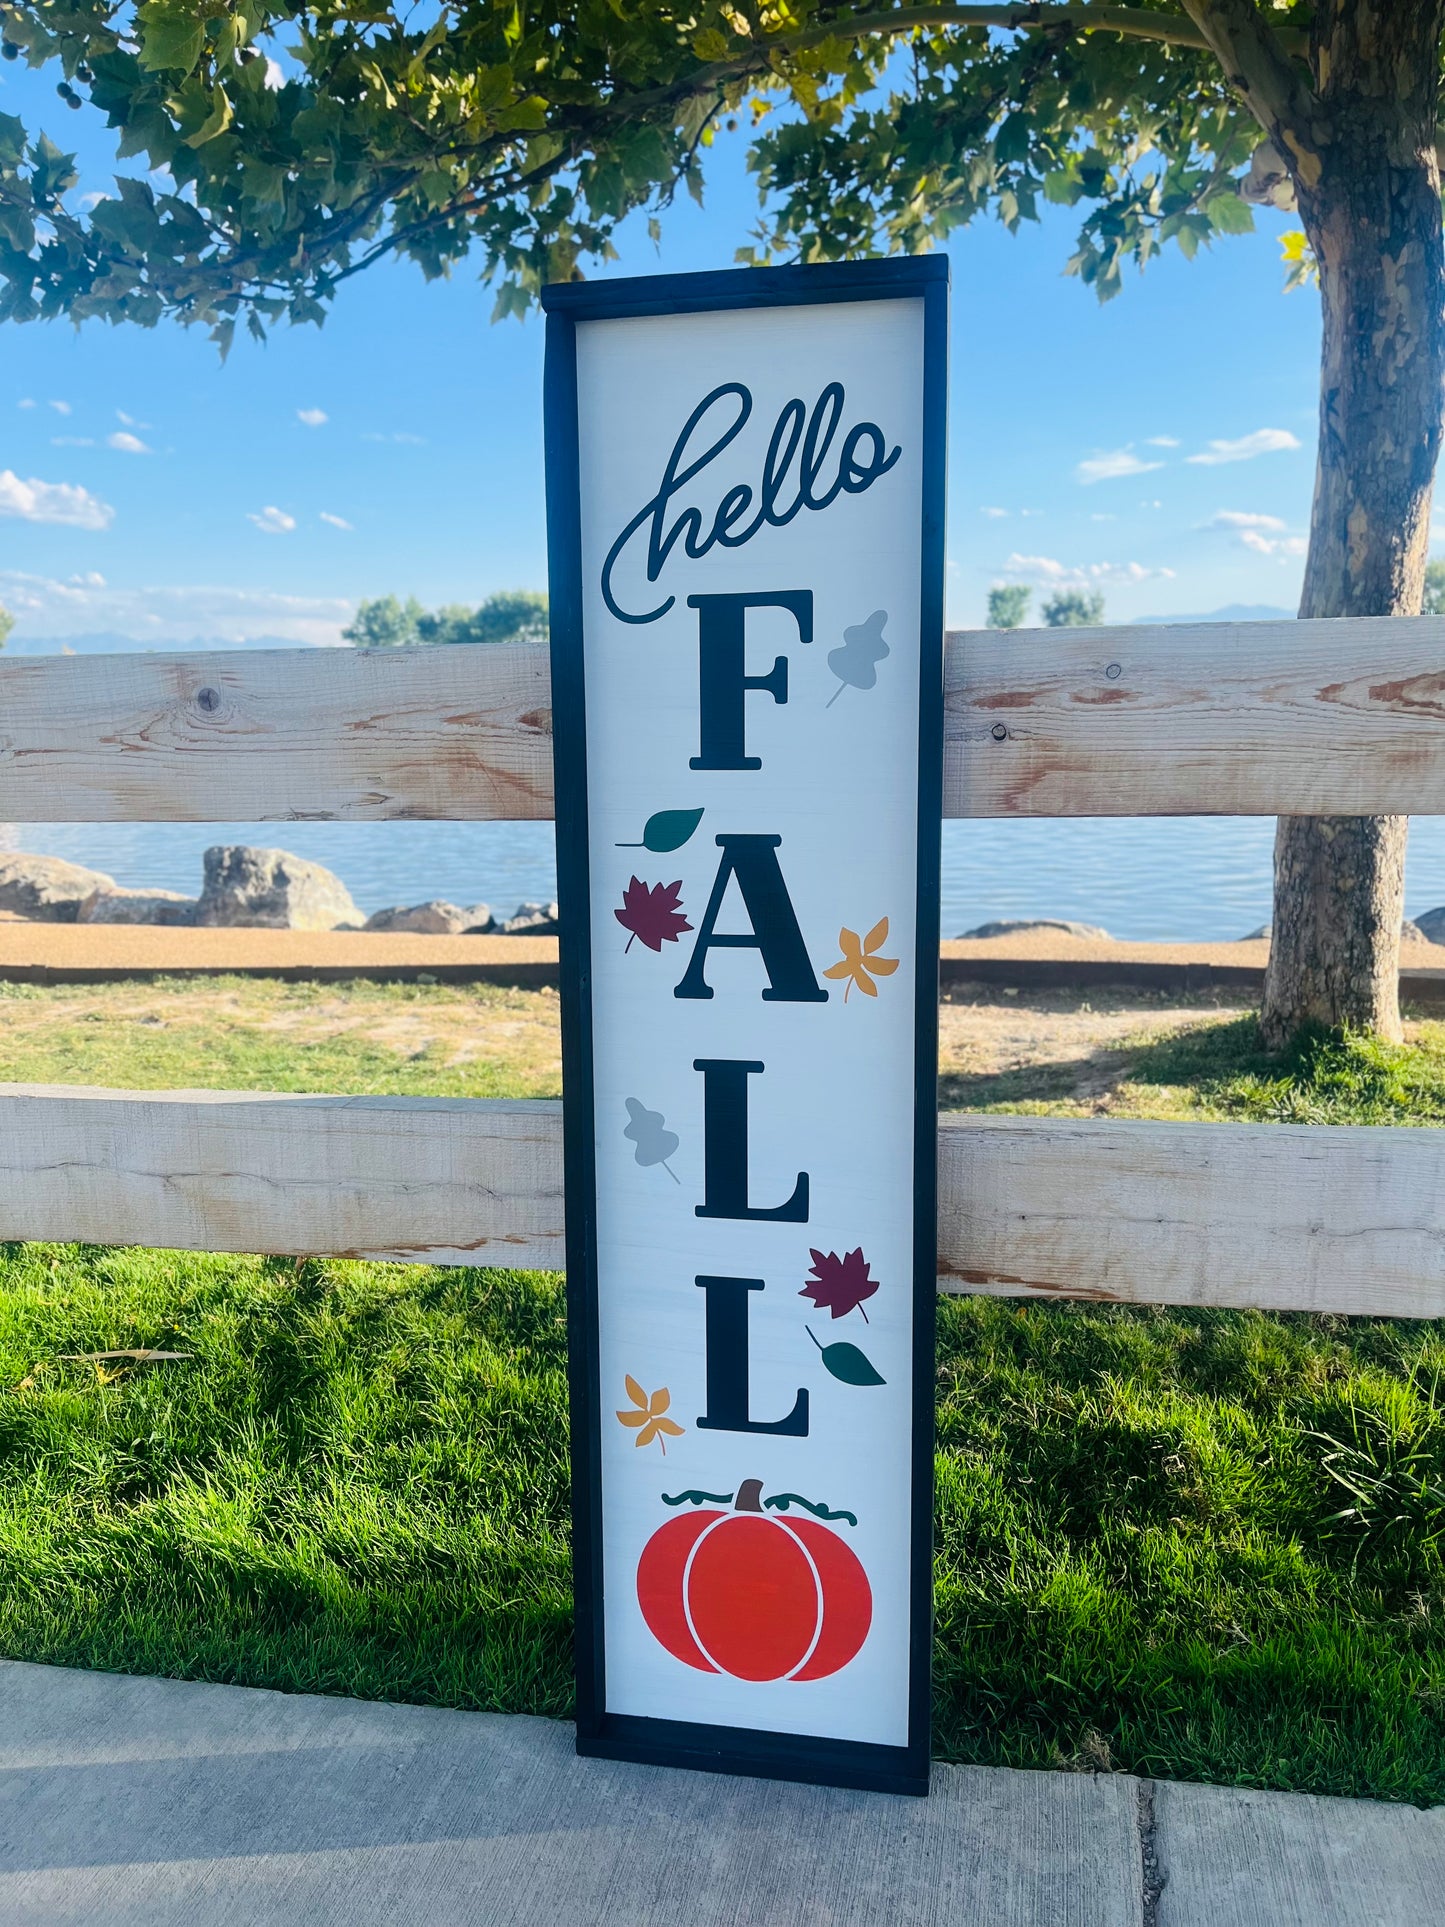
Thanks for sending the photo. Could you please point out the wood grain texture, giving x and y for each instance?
(1283, 1217)
(443, 1181)
(1242, 719)
(277, 735)
(1251, 719)
(1278, 1216)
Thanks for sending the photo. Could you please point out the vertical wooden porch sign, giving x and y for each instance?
(745, 503)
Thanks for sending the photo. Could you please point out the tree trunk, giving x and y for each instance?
(1368, 186)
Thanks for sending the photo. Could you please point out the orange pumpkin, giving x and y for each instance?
(754, 1596)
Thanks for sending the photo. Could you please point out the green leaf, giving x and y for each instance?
(847, 1363)
(216, 122)
(170, 39)
(669, 830)
(666, 830)
(1230, 214)
(1012, 142)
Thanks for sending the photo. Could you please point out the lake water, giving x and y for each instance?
(1194, 878)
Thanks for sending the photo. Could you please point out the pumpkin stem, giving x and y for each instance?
(749, 1497)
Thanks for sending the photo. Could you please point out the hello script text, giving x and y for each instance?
(800, 471)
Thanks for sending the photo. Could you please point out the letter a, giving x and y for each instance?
(753, 861)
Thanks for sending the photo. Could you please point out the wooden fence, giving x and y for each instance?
(1291, 718)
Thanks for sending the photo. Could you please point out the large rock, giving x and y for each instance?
(529, 920)
(272, 890)
(114, 905)
(1431, 925)
(1022, 926)
(47, 887)
(434, 919)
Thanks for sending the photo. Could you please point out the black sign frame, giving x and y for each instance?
(601, 1734)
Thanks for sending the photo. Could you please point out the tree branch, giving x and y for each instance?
(1044, 16)
(1256, 62)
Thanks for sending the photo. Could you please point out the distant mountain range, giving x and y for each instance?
(109, 644)
(1231, 612)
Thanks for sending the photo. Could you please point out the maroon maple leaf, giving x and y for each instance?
(652, 912)
(839, 1284)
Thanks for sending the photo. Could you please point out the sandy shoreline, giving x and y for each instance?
(139, 947)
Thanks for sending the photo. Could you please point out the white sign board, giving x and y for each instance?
(745, 476)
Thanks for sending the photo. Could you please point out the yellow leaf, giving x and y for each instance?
(858, 960)
(648, 1421)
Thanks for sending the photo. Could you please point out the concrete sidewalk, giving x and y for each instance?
(142, 1803)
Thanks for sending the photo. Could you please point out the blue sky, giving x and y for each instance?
(1160, 448)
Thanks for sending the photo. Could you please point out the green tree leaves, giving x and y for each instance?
(172, 36)
(1008, 604)
(524, 132)
(512, 615)
(1074, 609)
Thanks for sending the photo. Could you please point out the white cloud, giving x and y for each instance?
(313, 417)
(1264, 441)
(1162, 441)
(1242, 519)
(1265, 534)
(61, 407)
(1045, 568)
(274, 76)
(127, 443)
(1154, 504)
(29, 402)
(415, 441)
(1112, 465)
(72, 441)
(49, 610)
(336, 521)
(1103, 518)
(994, 515)
(1282, 546)
(129, 421)
(273, 521)
(64, 503)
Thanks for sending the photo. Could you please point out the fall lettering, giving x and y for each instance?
(797, 458)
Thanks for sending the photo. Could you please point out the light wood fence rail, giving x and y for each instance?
(1278, 1216)
(1239, 719)
(1262, 719)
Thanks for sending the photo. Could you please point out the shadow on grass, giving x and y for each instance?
(1219, 1069)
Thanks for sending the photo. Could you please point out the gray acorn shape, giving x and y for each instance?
(648, 1131)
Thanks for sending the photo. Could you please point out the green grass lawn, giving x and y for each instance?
(1192, 1544)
